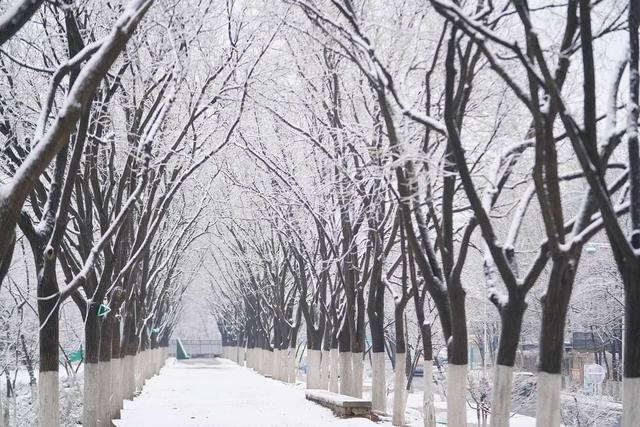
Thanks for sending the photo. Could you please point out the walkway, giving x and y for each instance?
(216, 392)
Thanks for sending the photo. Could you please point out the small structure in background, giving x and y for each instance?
(181, 353)
(594, 376)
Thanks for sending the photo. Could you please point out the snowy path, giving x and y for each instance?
(215, 392)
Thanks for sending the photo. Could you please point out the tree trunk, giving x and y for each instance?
(399, 390)
(378, 381)
(458, 359)
(325, 363)
(334, 369)
(92, 356)
(554, 313)
(129, 349)
(511, 317)
(313, 368)
(104, 372)
(357, 346)
(346, 373)
(117, 365)
(428, 407)
(631, 363)
(48, 313)
(400, 370)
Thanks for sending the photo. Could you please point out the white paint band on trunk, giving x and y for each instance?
(1, 407)
(428, 407)
(285, 366)
(275, 365)
(630, 402)
(137, 373)
(325, 364)
(268, 364)
(346, 373)
(456, 395)
(548, 399)
(104, 393)
(313, 368)
(243, 356)
(128, 380)
(378, 383)
(116, 387)
(399, 391)
(91, 395)
(334, 370)
(501, 397)
(292, 365)
(357, 365)
(49, 399)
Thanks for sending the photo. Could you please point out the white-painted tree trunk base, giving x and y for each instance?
(428, 407)
(137, 374)
(501, 398)
(357, 365)
(286, 365)
(313, 368)
(283, 373)
(142, 361)
(104, 393)
(292, 369)
(268, 363)
(116, 387)
(144, 367)
(630, 402)
(141, 369)
(155, 361)
(91, 395)
(49, 399)
(148, 364)
(1, 407)
(324, 370)
(275, 365)
(399, 391)
(456, 395)
(242, 356)
(346, 373)
(548, 399)
(378, 383)
(128, 385)
(262, 362)
(260, 359)
(334, 369)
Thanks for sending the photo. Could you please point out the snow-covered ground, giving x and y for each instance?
(218, 392)
(206, 392)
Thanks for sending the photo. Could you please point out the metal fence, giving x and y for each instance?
(197, 348)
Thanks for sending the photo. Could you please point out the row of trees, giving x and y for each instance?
(109, 113)
(418, 151)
